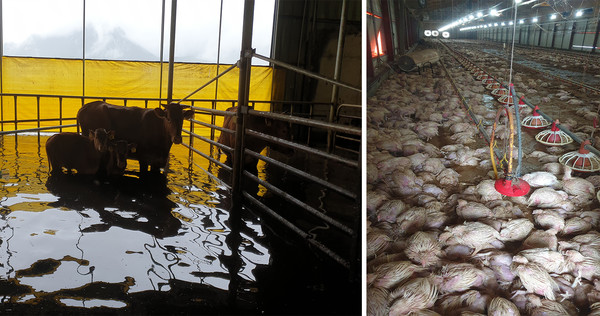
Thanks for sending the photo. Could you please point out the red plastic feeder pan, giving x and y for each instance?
(582, 160)
(535, 120)
(482, 77)
(493, 86)
(499, 92)
(488, 81)
(554, 136)
(512, 187)
(479, 73)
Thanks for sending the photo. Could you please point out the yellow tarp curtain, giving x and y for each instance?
(105, 79)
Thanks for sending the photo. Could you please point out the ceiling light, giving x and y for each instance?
(479, 14)
(471, 17)
(510, 23)
(495, 24)
(503, 24)
(517, 1)
(534, 20)
(553, 16)
(579, 13)
(521, 21)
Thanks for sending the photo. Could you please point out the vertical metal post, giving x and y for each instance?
(162, 48)
(83, 57)
(1, 67)
(60, 110)
(336, 73)
(596, 36)
(172, 50)
(400, 25)
(234, 239)
(38, 117)
(553, 35)
(573, 30)
(242, 109)
(214, 104)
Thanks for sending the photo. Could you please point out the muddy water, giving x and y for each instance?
(161, 244)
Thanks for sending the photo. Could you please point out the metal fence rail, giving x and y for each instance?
(349, 193)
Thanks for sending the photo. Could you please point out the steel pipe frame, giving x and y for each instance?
(211, 159)
(301, 204)
(306, 72)
(303, 174)
(210, 81)
(308, 122)
(336, 72)
(298, 231)
(35, 129)
(1, 69)
(303, 148)
(242, 108)
(171, 51)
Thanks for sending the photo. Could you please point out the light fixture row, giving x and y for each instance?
(521, 21)
(494, 13)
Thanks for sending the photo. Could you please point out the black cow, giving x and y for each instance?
(77, 153)
(152, 130)
(263, 125)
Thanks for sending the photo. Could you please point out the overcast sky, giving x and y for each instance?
(30, 27)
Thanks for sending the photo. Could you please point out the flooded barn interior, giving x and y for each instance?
(268, 222)
(482, 160)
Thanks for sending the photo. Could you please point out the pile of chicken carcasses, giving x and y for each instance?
(441, 240)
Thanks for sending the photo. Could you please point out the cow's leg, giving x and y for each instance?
(228, 159)
(155, 168)
(143, 166)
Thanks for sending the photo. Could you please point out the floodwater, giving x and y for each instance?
(156, 245)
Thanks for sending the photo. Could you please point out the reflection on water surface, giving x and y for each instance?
(78, 242)
(151, 245)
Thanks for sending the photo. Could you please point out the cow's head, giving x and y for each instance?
(173, 115)
(101, 139)
(120, 150)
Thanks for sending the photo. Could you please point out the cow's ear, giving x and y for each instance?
(160, 112)
(189, 114)
(268, 122)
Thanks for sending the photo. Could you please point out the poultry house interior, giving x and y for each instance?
(482, 157)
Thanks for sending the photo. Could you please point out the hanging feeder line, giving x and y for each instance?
(468, 108)
(547, 117)
(582, 85)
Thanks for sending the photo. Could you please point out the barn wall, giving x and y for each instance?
(306, 36)
(580, 34)
(392, 30)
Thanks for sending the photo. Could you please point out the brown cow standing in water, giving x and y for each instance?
(93, 155)
(263, 125)
(152, 130)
